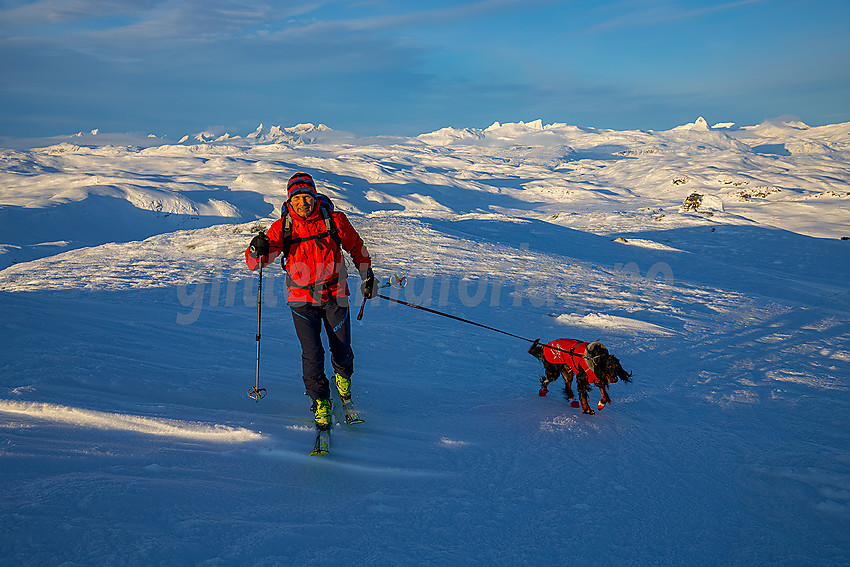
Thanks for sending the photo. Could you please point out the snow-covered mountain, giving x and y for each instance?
(709, 258)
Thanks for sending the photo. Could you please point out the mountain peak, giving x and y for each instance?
(700, 125)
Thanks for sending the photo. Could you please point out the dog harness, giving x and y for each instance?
(574, 354)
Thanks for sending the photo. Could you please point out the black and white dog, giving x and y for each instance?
(589, 362)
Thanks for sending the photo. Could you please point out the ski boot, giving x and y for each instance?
(343, 385)
(322, 410)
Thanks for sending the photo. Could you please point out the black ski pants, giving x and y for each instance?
(309, 320)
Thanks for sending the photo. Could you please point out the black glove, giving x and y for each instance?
(367, 288)
(259, 246)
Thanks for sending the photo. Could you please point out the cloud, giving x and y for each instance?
(144, 19)
(220, 19)
(437, 16)
(124, 31)
(647, 14)
(63, 11)
(395, 19)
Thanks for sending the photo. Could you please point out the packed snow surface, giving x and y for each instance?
(709, 259)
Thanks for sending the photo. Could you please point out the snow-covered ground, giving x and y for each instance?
(127, 323)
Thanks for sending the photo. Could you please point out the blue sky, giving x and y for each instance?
(403, 68)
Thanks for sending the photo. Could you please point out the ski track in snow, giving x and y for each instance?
(127, 324)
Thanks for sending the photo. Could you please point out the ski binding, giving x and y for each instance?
(322, 446)
(350, 414)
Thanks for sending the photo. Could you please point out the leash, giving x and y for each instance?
(399, 282)
(461, 319)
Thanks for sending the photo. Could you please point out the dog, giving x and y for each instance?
(589, 362)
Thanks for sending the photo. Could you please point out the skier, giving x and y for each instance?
(311, 237)
(590, 362)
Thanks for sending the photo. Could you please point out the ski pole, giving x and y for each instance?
(256, 392)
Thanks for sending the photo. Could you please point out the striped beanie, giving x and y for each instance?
(301, 183)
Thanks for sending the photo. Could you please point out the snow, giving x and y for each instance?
(71, 416)
(699, 124)
(603, 322)
(127, 348)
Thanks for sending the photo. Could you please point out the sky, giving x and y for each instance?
(403, 67)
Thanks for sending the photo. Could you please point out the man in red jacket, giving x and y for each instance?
(311, 236)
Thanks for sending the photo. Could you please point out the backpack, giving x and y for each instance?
(326, 207)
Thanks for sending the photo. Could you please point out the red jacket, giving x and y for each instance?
(572, 353)
(313, 267)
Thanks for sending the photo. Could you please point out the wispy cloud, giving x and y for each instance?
(156, 18)
(436, 16)
(644, 14)
(137, 19)
(62, 11)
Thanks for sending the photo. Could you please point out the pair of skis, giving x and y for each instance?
(322, 445)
